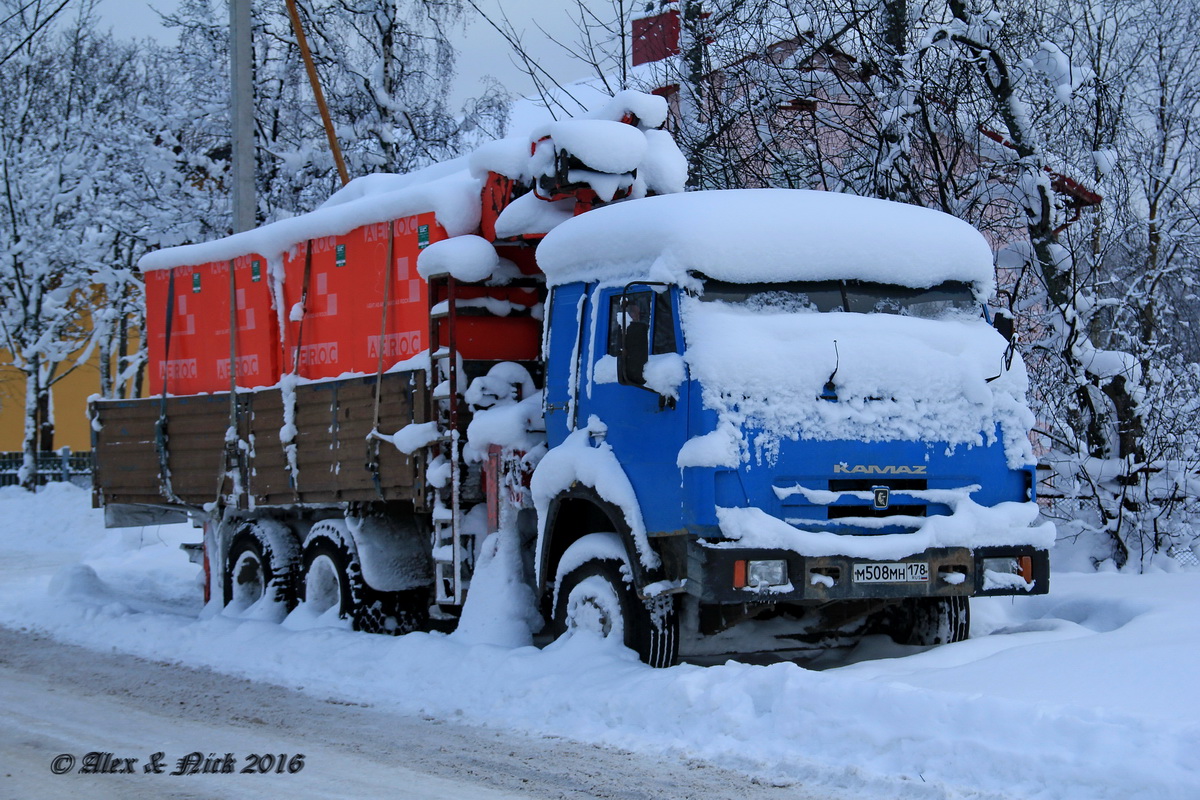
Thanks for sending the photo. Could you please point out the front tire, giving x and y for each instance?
(596, 597)
(926, 621)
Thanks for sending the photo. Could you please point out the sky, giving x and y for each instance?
(482, 51)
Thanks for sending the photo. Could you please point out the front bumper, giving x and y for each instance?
(713, 573)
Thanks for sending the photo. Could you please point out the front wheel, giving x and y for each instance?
(596, 597)
(927, 620)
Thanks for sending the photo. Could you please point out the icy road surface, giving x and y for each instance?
(1087, 693)
(61, 699)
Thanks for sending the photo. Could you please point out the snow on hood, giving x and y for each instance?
(898, 378)
(768, 235)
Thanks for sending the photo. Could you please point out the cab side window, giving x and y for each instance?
(640, 324)
(664, 325)
(631, 318)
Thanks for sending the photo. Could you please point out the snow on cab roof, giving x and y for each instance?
(768, 235)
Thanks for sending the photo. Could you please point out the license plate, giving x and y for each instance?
(896, 572)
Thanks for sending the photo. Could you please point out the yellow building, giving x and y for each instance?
(69, 395)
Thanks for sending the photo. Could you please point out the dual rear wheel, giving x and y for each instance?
(324, 574)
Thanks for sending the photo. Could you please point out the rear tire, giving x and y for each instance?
(333, 578)
(255, 570)
(595, 596)
(327, 582)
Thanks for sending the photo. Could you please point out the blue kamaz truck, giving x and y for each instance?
(705, 422)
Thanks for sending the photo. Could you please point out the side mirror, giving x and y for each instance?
(635, 353)
(1003, 323)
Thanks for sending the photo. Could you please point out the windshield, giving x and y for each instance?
(938, 301)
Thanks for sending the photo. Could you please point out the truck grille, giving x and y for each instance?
(842, 512)
(865, 485)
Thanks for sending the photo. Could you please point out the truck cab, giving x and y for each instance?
(833, 433)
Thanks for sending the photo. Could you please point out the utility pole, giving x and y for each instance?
(242, 115)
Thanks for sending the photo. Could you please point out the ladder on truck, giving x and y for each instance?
(453, 547)
(450, 544)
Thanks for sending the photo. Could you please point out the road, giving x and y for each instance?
(61, 700)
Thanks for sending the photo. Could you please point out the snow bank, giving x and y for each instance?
(1082, 694)
(466, 258)
(768, 235)
(530, 214)
(600, 144)
(501, 609)
(508, 413)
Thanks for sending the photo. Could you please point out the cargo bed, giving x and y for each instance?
(333, 460)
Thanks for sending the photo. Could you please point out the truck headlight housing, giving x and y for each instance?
(759, 574)
(766, 573)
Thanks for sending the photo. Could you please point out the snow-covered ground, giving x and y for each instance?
(1089, 692)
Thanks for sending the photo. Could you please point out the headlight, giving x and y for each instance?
(766, 573)
(1022, 565)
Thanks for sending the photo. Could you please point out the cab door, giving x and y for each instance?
(645, 429)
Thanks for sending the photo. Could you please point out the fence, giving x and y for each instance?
(56, 465)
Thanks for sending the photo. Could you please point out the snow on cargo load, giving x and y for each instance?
(767, 235)
(453, 198)
(335, 256)
(340, 332)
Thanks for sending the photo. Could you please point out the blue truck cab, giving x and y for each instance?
(778, 404)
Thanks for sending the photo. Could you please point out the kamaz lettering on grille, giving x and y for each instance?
(875, 469)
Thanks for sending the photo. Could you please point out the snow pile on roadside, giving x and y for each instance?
(1072, 695)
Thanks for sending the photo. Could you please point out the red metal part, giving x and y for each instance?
(1080, 196)
(497, 194)
(491, 471)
